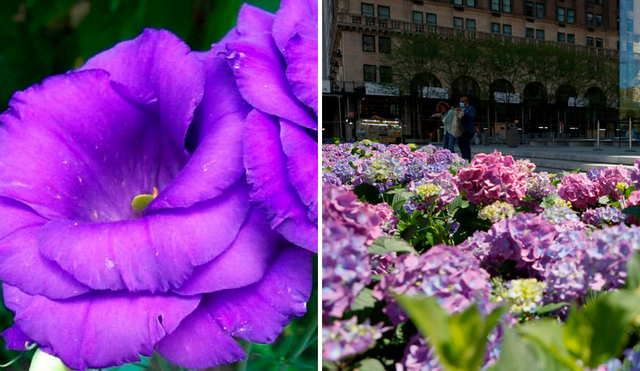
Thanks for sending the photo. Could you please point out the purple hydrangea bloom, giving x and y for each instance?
(211, 255)
(452, 276)
(563, 271)
(419, 356)
(606, 215)
(634, 174)
(558, 214)
(539, 186)
(348, 229)
(605, 257)
(389, 222)
(347, 338)
(523, 239)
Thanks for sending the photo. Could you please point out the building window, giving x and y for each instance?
(528, 9)
(599, 43)
(571, 16)
(369, 73)
(506, 6)
(529, 33)
(471, 24)
(418, 17)
(629, 4)
(495, 5)
(432, 19)
(368, 43)
(457, 2)
(385, 75)
(384, 44)
(506, 29)
(561, 15)
(629, 25)
(590, 19)
(457, 22)
(539, 11)
(561, 37)
(598, 20)
(384, 12)
(495, 27)
(471, 3)
(540, 34)
(589, 41)
(571, 38)
(367, 10)
(629, 47)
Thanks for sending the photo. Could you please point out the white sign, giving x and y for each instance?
(326, 86)
(381, 89)
(435, 93)
(513, 98)
(578, 102)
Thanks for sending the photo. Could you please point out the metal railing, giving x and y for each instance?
(348, 19)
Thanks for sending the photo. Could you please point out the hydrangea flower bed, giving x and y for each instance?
(401, 221)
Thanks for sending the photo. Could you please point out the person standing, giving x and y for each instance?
(446, 115)
(467, 126)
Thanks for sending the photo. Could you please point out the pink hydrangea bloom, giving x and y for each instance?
(492, 177)
(579, 190)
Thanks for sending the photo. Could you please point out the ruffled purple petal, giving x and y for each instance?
(267, 173)
(219, 127)
(243, 263)
(301, 149)
(98, 330)
(291, 14)
(19, 255)
(260, 73)
(73, 148)
(301, 55)
(259, 312)
(158, 67)
(199, 343)
(16, 339)
(157, 252)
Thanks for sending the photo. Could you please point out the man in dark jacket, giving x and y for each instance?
(468, 128)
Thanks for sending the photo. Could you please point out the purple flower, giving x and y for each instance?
(454, 277)
(419, 356)
(347, 338)
(605, 257)
(387, 217)
(539, 186)
(601, 216)
(348, 229)
(141, 242)
(607, 179)
(579, 190)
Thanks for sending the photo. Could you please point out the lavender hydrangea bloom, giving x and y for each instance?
(200, 263)
(347, 230)
(347, 338)
(607, 179)
(605, 257)
(606, 215)
(539, 186)
(419, 356)
(579, 190)
(452, 276)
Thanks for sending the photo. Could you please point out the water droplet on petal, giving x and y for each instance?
(231, 54)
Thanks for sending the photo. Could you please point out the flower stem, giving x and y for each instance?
(242, 366)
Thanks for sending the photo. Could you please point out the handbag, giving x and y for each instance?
(455, 125)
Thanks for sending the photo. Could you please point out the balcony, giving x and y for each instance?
(390, 25)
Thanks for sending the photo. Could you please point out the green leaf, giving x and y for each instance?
(364, 300)
(329, 366)
(521, 354)
(632, 210)
(550, 307)
(140, 202)
(459, 339)
(629, 191)
(457, 202)
(368, 193)
(604, 200)
(633, 273)
(370, 364)
(387, 244)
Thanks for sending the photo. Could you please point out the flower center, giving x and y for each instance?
(140, 202)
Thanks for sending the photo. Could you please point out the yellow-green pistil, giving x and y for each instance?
(142, 201)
